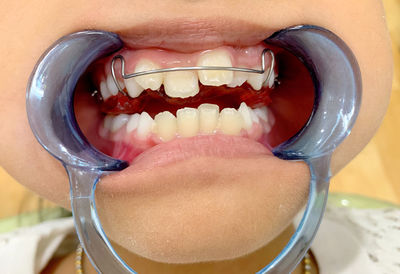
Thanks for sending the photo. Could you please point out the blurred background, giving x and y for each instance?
(374, 173)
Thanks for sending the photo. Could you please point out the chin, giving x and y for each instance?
(223, 213)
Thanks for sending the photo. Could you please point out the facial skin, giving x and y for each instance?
(196, 214)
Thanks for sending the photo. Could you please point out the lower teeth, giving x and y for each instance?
(189, 122)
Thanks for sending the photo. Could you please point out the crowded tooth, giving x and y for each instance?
(105, 93)
(133, 122)
(217, 58)
(257, 80)
(165, 126)
(230, 121)
(133, 88)
(111, 85)
(208, 116)
(245, 112)
(145, 125)
(239, 78)
(152, 81)
(188, 122)
(119, 121)
(181, 84)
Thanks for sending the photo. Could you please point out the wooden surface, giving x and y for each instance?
(375, 172)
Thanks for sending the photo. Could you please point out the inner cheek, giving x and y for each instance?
(293, 100)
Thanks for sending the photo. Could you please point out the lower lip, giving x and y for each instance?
(199, 154)
(222, 146)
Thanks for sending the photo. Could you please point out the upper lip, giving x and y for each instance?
(189, 35)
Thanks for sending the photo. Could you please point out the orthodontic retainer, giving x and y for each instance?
(136, 74)
(337, 80)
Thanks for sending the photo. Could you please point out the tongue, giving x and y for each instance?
(154, 102)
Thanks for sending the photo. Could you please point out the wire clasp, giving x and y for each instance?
(141, 73)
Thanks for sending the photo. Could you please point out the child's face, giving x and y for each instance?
(202, 208)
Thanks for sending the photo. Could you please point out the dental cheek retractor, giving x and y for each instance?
(50, 93)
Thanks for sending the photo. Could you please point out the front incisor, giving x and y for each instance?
(215, 58)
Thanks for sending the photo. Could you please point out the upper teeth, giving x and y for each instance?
(181, 84)
(239, 78)
(184, 84)
(105, 93)
(215, 58)
(133, 88)
(150, 81)
(206, 119)
(111, 85)
(256, 80)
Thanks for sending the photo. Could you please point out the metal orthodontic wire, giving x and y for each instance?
(141, 73)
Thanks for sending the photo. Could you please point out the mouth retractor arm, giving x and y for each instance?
(49, 100)
(141, 73)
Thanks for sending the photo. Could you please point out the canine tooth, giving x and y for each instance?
(133, 88)
(145, 125)
(111, 85)
(165, 125)
(133, 122)
(119, 121)
(256, 80)
(262, 113)
(271, 81)
(245, 112)
(218, 58)
(230, 121)
(121, 83)
(208, 117)
(181, 84)
(105, 93)
(151, 81)
(188, 122)
(239, 78)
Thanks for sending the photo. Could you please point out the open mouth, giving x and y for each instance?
(164, 118)
(227, 113)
